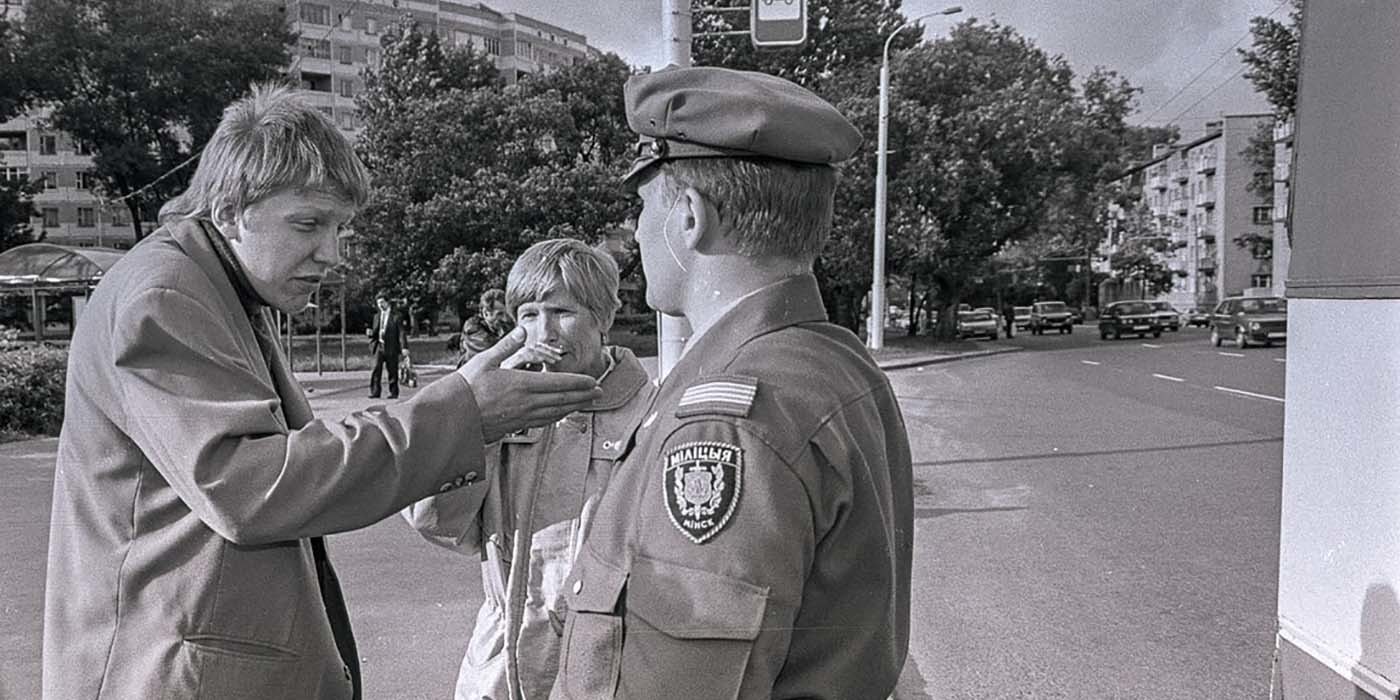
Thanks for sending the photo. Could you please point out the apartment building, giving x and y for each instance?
(337, 40)
(1196, 195)
(1283, 167)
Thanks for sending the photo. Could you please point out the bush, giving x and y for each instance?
(31, 389)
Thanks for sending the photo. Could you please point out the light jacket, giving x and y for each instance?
(192, 483)
(542, 491)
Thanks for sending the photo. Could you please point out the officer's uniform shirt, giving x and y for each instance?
(755, 542)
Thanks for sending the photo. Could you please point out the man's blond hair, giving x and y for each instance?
(270, 141)
(567, 265)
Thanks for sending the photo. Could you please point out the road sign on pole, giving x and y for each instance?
(778, 22)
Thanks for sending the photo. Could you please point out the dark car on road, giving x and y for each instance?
(1167, 315)
(1128, 318)
(1262, 320)
(1050, 314)
(1198, 317)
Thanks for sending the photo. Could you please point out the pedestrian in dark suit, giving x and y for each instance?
(387, 339)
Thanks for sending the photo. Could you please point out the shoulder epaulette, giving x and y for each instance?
(730, 395)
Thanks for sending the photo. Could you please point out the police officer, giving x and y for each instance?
(755, 540)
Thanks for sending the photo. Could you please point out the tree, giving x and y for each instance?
(16, 84)
(1272, 59)
(16, 209)
(144, 84)
(469, 172)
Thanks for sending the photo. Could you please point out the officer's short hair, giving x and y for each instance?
(268, 142)
(768, 206)
(586, 273)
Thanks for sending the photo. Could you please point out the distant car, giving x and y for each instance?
(1250, 320)
(996, 316)
(1022, 316)
(1076, 315)
(1198, 317)
(1128, 318)
(1046, 315)
(978, 323)
(1167, 315)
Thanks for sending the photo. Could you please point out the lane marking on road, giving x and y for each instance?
(1250, 394)
(1279, 359)
(1230, 354)
(1150, 345)
(1169, 378)
(1091, 362)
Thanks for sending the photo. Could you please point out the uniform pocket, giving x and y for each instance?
(592, 644)
(689, 632)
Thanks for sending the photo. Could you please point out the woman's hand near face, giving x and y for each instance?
(534, 353)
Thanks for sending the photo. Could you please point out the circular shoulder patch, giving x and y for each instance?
(702, 482)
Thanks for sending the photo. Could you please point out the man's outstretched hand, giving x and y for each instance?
(512, 400)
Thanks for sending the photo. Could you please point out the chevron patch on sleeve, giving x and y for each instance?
(730, 395)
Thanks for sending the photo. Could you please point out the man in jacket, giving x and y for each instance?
(756, 539)
(387, 339)
(487, 327)
(542, 484)
(193, 485)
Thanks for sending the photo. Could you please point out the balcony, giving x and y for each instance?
(1283, 130)
(1205, 198)
(1181, 173)
(1206, 264)
(1281, 171)
(1157, 182)
(1205, 164)
(1281, 210)
(1205, 234)
(1180, 205)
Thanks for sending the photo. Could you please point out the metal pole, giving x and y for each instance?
(317, 317)
(673, 331)
(1088, 279)
(343, 365)
(876, 336)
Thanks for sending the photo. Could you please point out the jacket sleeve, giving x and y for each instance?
(211, 425)
(451, 520)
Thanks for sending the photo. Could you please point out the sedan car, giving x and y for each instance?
(1022, 317)
(1046, 315)
(978, 323)
(1167, 315)
(1128, 318)
(1198, 317)
(1248, 320)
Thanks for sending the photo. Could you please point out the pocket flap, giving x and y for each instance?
(593, 585)
(693, 604)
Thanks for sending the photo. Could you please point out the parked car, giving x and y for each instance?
(1250, 320)
(978, 323)
(1167, 315)
(1198, 317)
(996, 315)
(1128, 318)
(1021, 317)
(1046, 315)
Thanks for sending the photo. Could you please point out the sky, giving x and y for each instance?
(1180, 52)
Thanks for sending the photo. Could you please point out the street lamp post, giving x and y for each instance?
(876, 335)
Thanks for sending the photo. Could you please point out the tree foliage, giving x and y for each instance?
(144, 84)
(468, 172)
(16, 197)
(1272, 59)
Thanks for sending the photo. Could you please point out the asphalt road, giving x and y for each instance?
(1096, 519)
(1083, 531)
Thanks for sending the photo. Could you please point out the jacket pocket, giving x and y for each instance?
(227, 668)
(592, 646)
(689, 632)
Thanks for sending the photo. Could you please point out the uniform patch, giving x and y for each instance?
(702, 485)
(730, 395)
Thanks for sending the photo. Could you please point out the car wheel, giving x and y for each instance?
(1241, 341)
(1103, 334)
(1215, 337)
(1117, 334)
(1069, 330)
(1157, 333)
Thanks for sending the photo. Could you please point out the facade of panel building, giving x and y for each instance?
(1196, 196)
(337, 40)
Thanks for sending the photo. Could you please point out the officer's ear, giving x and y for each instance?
(225, 218)
(700, 230)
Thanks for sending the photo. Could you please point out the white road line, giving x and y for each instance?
(1279, 359)
(1169, 378)
(1150, 345)
(1250, 394)
(1230, 354)
(1091, 362)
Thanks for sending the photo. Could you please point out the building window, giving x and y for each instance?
(1262, 215)
(86, 180)
(316, 48)
(81, 148)
(493, 46)
(1261, 281)
(345, 54)
(13, 141)
(50, 180)
(315, 14)
(372, 58)
(86, 217)
(347, 87)
(48, 145)
(13, 174)
(119, 217)
(371, 26)
(327, 111)
(50, 217)
(344, 22)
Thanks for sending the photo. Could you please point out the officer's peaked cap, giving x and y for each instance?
(718, 112)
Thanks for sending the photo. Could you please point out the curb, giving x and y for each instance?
(937, 359)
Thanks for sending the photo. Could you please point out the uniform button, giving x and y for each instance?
(583, 428)
(470, 477)
(607, 444)
(578, 586)
(445, 487)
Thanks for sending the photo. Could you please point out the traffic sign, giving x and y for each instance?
(778, 22)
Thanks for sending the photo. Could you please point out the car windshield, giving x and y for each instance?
(974, 316)
(1022, 309)
(1052, 306)
(1136, 307)
(1162, 306)
(1264, 306)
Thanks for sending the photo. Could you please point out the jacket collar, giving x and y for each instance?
(626, 377)
(785, 303)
